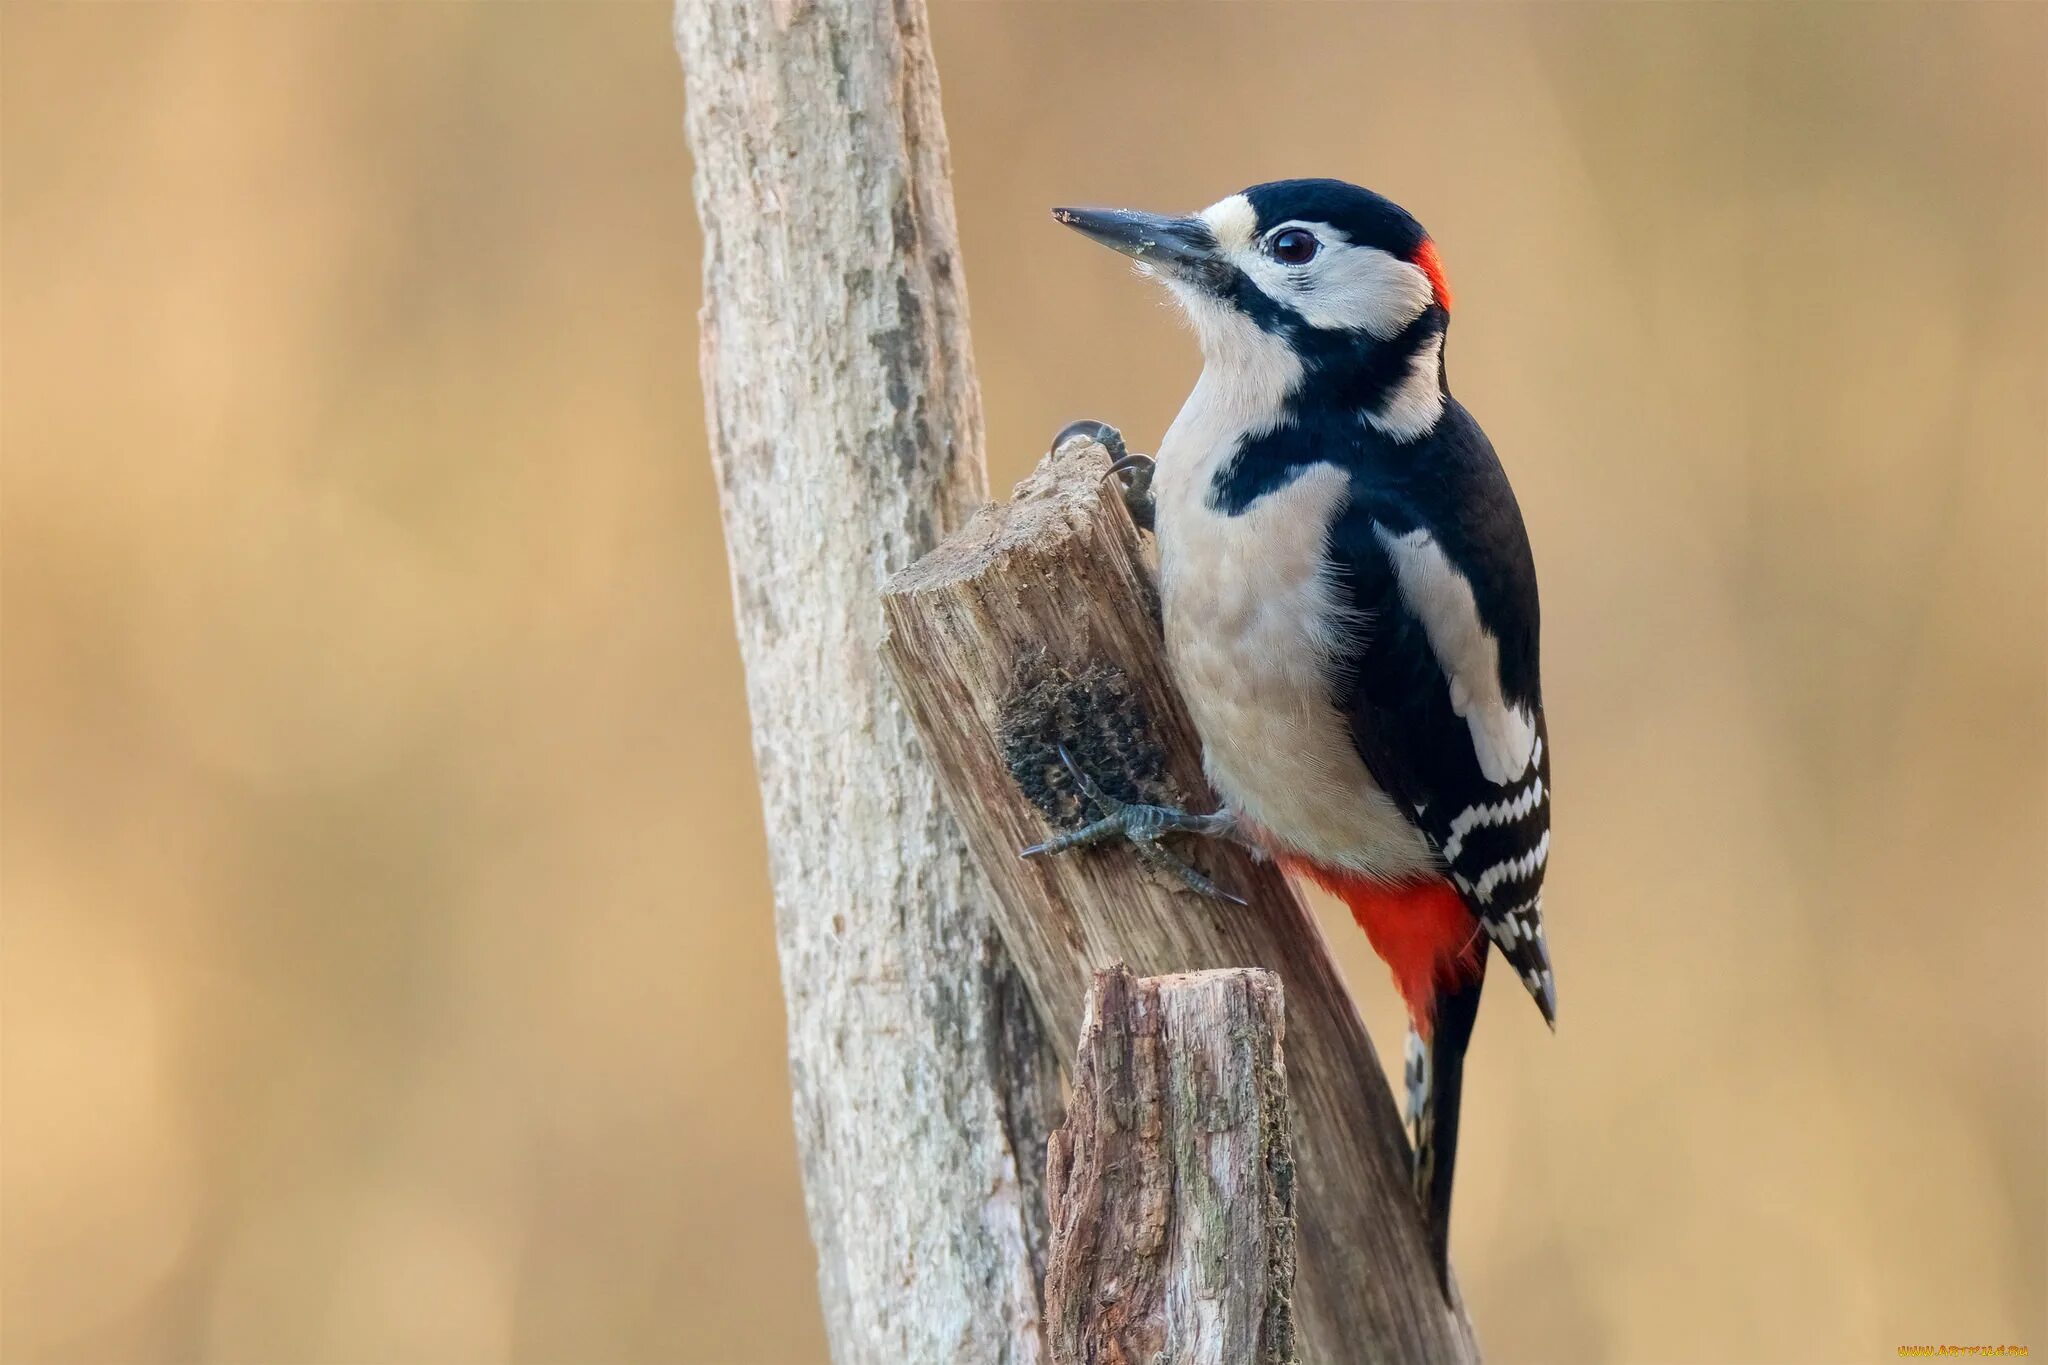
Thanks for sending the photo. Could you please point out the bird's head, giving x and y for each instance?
(1318, 277)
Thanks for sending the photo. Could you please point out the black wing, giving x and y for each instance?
(1441, 687)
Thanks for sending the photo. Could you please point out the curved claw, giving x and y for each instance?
(1215, 892)
(1188, 875)
(1133, 474)
(1102, 433)
(1109, 804)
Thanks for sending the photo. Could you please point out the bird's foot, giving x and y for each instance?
(1142, 826)
(1133, 473)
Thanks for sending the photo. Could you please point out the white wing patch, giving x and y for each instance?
(1503, 736)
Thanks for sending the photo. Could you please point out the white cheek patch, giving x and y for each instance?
(1346, 287)
(1359, 287)
(1503, 736)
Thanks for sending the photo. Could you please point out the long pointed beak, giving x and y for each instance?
(1180, 246)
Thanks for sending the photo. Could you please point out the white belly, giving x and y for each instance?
(1252, 624)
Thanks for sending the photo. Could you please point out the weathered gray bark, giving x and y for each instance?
(1037, 625)
(1172, 1183)
(847, 433)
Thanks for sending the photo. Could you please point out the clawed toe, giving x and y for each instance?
(1142, 826)
(1189, 876)
(1133, 473)
(1107, 803)
(1102, 433)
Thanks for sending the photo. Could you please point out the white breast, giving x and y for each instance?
(1252, 625)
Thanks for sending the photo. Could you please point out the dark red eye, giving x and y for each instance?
(1296, 246)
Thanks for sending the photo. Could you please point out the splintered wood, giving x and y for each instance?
(1035, 626)
(1171, 1184)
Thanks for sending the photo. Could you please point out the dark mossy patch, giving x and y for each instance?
(1099, 717)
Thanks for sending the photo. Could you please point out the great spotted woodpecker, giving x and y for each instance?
(1350, 606)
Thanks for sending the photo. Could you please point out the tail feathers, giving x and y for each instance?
(1437, 951)
(1436, 1082)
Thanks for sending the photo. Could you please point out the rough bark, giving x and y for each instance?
(1035, 626)
(846, 429)
(1171, 1182)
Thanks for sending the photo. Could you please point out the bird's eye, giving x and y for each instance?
(1296, 246)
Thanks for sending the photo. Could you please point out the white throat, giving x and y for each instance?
(1248, 374)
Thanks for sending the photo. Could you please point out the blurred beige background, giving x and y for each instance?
(388, 964)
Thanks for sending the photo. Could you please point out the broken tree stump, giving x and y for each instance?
(1171, 1184)
(1036, 625)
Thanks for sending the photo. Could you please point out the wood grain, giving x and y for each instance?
(1172, 1181)
(846, 430)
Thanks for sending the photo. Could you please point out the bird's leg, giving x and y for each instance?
(1143, 826)
(1133, 473)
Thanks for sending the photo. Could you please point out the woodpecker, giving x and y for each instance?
(1350, 607)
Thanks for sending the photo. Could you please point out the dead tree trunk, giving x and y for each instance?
(1171, 1182)
(1035, 626)
(846, 428)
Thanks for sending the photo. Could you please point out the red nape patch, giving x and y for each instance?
(1432, 265)
(1421, 929)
